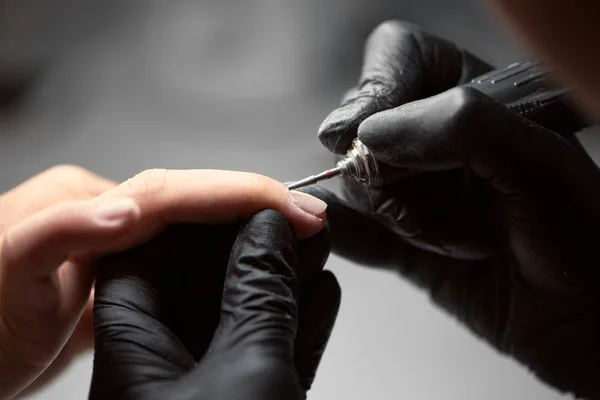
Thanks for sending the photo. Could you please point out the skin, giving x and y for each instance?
(54, 186)
(565, 34)
(55, 228)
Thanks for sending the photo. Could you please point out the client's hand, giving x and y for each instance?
(53, 230)
(59, 185)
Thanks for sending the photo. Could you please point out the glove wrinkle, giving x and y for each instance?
(217, 320)
(500, 223)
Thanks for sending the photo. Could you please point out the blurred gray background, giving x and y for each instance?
(121, 86)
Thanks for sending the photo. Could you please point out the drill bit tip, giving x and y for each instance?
(311, 180)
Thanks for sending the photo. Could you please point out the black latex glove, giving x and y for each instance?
(156, 310)
(401, 64)
(502, 226)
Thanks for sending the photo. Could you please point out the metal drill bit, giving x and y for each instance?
(311, 180)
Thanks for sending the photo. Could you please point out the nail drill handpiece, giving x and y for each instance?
(523, 87)
(311, 180)
(358, 164)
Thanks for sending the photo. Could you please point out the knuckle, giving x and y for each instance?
(68, 172)
(468, 117)
(257, 187)
(146, 184)
(464, 103)
(264, 193)
(66, 181)
(74, 181)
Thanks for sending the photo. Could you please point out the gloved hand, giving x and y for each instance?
(157, 309)
(501, 224)
(401, 64)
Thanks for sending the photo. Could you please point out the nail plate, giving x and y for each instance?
(309, 204)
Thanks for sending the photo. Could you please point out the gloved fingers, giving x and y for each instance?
(259, 316)
(318, 309)
(259, 308)
(542, 183)
(463, 128)
(401, 64)
(417, 253)
(444, 212)
(356, 234)
(134, 347)
(361, 238)
(185, 266)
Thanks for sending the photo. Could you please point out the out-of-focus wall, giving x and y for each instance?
(285, 41)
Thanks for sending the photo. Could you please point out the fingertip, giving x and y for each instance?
(305, 213)
(338, 130)
(312, 213)
(376, 125)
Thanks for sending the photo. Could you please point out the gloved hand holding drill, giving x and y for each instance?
(500, 225)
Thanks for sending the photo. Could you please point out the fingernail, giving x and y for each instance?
(309, 204)
(117, 212)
